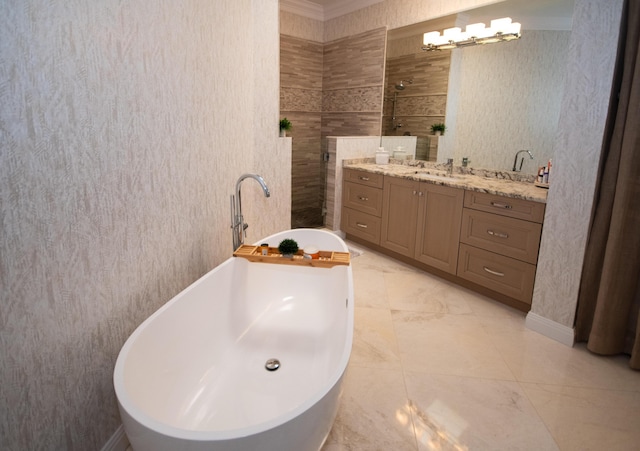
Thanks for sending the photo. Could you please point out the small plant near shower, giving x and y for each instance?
(285, 126)
(438, 129)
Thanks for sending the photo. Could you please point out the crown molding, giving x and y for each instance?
(338, 9)
(303, 8)
(316, 11)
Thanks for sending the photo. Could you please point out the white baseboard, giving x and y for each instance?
(118, 441)
(551, 329)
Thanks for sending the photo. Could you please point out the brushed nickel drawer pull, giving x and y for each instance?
(501, 205)
(363, 198)
(366, 179)
(495, 273)
(362, 226)
(498, 234)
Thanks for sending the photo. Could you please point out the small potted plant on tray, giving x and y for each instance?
(288, 247)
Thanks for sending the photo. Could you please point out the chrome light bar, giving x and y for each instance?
(501, 30)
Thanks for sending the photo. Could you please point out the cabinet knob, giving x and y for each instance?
(495, 273)
(501, 205)
(420, 193)
(498, 234)
(415, 192)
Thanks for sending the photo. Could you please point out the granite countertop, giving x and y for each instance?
(502, 183)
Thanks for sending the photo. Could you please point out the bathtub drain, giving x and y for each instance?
(272, 364)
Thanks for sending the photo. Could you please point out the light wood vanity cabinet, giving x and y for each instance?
(362, 204)
(422, 221)
(486, 242)
(499, 240)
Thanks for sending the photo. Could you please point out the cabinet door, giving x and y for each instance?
(361, 224)
(362, 198)
(439, 220)
(514, 238)
(399, 215)
(363, 177)
(497, 272)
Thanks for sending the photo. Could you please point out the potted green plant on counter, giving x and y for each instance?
(438, 129)
(288, 247)
(285, 126)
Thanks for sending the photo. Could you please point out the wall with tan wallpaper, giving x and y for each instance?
(123, 128)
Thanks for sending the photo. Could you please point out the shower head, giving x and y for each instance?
(400, 86)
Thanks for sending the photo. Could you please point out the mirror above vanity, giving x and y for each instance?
(494, 99)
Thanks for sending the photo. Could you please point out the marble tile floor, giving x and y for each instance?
(437, 367)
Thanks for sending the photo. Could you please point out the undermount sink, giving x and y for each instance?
(436, 177)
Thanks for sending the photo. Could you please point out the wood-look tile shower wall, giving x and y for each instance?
(422, 102)
(332, 89)
(301, 103)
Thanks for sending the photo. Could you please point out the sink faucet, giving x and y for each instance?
(515, 161)
(238, 225)
(449, 166)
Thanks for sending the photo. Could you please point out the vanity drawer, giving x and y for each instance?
(498, 273)
(505, 206)
(363, 177)
(500, 234)
(361, 225)
(363, 198)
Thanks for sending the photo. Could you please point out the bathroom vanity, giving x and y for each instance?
(478, 231)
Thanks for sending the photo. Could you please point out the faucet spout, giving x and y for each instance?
(257, 178)
(515, 161)
(238, 225)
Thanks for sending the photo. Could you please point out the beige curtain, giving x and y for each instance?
(607, 316)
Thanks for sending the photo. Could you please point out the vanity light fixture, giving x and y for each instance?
(475, 34)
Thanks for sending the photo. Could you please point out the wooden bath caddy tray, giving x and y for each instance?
(327, 259)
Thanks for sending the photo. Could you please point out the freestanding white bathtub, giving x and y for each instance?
(192, 376)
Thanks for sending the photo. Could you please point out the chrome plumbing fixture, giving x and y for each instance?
(238, 226)
(400, 86)
(272, 364)
(449, 166)
(515, 161)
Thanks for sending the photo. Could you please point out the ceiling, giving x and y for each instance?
(325, 9)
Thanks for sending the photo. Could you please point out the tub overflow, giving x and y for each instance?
(272, 364)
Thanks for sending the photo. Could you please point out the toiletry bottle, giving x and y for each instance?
(382, 156)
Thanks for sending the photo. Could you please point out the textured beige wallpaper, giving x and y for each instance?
(123, 128)
(596, 26)
(506, 98)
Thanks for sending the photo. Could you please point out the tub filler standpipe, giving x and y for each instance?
(238, 226)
